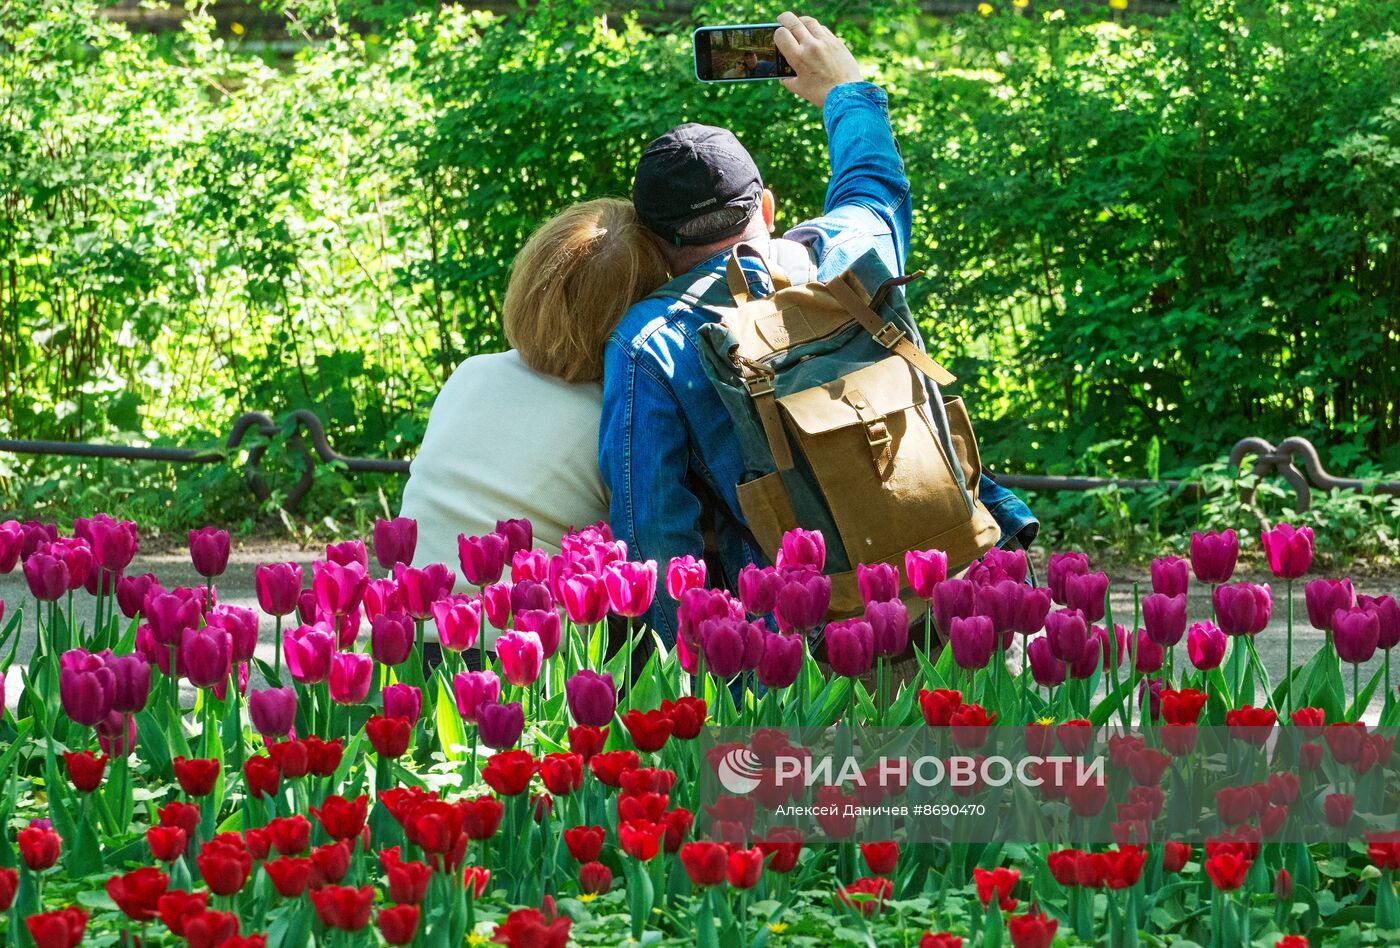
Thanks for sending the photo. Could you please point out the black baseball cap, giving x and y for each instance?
(690, 171)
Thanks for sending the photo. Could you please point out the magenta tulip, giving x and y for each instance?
(1355, 634)
(1387, 612)
(1086, 592)
(339, 587)
(403, 701)
(116, 734)
(925, 570)
(308, 650)
(113, 541)
(1205, 643)
(86, 686)
(683, 573)
(530, 594)
(585, 598)
(131, 593)
(419, 589)
(483, 558)
(1164, 618)
(783, 657)
(171, 613)
(630, 587)
(1118, 648)
(1067, 634)
(206, 656)
(1059, 569)
(1289, 552)
(1089, 660)
(241, 626)
(529, 564)
(592, 698)
(850, 647)
(1034, 607)
(500, 725)
(395, 541)
(953, 599)
(1149, 655)
(519, 535)
(273, 711)
(878, 583)
(803, 599)
(998, 566)
(209, 549)
(1047, 670)
(999, 601)
(802, 549)
(1324, 597)
(381, 596)
(1170, 576)
(11, 541)
(1242, 608)
(278, 585)
(350, 677)
(348, 552)
(889, 622)
(474, 689)
(495, 604)
(131, 681)
(522, 656)
(730, 645)
(46, 575)
(391, 638)
(699, 604)
(33, 535)
(543, 623)
(458, 621)
(973, 641)
(758, 588)
(1213, 555)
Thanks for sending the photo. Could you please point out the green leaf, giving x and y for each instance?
(449, 727)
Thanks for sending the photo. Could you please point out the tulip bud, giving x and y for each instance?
(592, 698)
(850, 647)
(630, 587)
(521, 656)
(1205, 644)
(483, 558)
(209, 550)
(683, 573)
(391, 638)
(783, 657)
(500, 725)
(350, 677)
(1213, 555)
(273, 711)
(802, 549)
(458, 621)
(1355, 633)
(925, 569)
(395, 541)
(877, 583)
(1164, 618)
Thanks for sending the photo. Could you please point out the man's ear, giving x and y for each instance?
(769, 205)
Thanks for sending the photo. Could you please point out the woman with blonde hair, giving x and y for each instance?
(515, 434)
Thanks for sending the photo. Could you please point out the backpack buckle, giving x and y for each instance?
(759, 385)
(889, 335)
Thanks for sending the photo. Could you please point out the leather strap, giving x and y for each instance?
(760, 389)
(877, 432)
(887, 334)
(739, 284)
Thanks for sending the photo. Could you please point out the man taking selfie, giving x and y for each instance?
(667, 445)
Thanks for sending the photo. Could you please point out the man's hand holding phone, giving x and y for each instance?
(822, 62)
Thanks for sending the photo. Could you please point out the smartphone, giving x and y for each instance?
(739, 53)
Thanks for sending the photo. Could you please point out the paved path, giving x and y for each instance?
(236, 586)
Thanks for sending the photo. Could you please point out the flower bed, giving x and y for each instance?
(541, 795)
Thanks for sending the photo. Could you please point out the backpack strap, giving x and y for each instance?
(758, 382)
(887, 334)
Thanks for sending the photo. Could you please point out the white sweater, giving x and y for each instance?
(504, 441)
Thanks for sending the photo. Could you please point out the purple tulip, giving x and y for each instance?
(631, 587)
(1034, 607)
(1213, 555)
(1387, 613)
(519, 535)
(889, 621)
(545, 624)
(1324, 597)
(1001, 602)
(1355, 634)
(530, 594)
(46, 574)
(1089, 660)
(495, 604)
(877, 583)
(77, 556)
(758, 588)
(783, 657)
(953, 599)
(1242, 608)
(973, 639)
(220, 689)
(273, 711)
(34, 535)
(131, 593)
(1205, 643)
(278, 585)
(1170, 575)
(803, 599)
(241, 625)
(306, 606)
(116, 734)
(350, 677)
(458, 621)
(1149, 655)
(1067, 634)
(998, 565)
(131, 681)
(403, 701)
(522, 656)
(1288, 551)
(1150, 694)
(113, 542)
(1086, 592)
(1047, 670)
(1165, 618)
(802, 549)
(925, 570)
(730, 645)
(395, 541)
(11, 540)
(347, 552)
(391, 638)
(483, 558)
(170, 614)
(419, 589)
(206, 656)
(308, 650)
(850, 647)
(86, 686)
(339, 587)
(209, 549)
(585, 598)
(500, 725)
(592, 698)
(474, 689)
(1061, 567)
(697, 605)
(347, 629)
(1118, 648)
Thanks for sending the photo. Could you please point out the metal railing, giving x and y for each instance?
(305, 438)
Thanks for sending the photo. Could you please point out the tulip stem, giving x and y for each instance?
(1288, 679)
(277, 649)
(1263, 677)
(627, 661)
(1356, 708)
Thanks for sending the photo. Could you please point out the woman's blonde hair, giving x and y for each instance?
(571, 283)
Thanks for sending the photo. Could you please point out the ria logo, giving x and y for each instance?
(739, 770)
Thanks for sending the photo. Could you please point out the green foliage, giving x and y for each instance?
(1168, 233)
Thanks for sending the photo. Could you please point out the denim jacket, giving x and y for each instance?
(666, 446)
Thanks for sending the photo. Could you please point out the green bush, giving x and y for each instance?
(1171, 232)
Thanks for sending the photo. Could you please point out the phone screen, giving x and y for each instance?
(739, 54)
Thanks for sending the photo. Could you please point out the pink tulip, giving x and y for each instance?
(209, 550)
(1034, 607)
(391, 636)
(973, 640)
(273, 711)
(521, 655)
(395, 541)
(953, 599)
(803, 600)
(545, 624)
(1288, 551)
(34, 535)
(802, 548)
(278, 585)
(998, 565)
(338, 587)
(783, 657)
(131, 593)
(1060, 568)
(46, 575)
(630, 587)
(1170, 576)
(758, 588)
(1149, 655)
(1355, 634)
(528, 594)
(1213, 555)
(519, 535)
(682, 573)
(420, 588)
(889, 622)
(483, 558)
(206, 656)
(1387, 613)
(347, 552)
(171, 613)
(458, 621)
(877, 583)
(86, 686)
(1046, 668)
(11, 541)
(1000, 602)
(1066, 634)
(474, 689)
(925, 569)
(1205, 643)
(495, 603)
(113, 541)
(241, 625)
(529, 564)
(382, 596)
(350, 676)
(850, 647)
(1164, 618)
(308, 650)
(1242, 608)
(730, 645)
(131, 677)
(1324, 597)
(403, 701)
(585, 598)
(699, 604)
(1086, 592)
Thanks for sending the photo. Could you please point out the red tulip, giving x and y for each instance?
(531, 928)
(782, 845)
(705, 862)
(207, 929)
(1175, 856)
(937, 706)
(585, 843)
(1227, 870)
(84, 770)
(399, 924)
(866, 895)
(940, 940)
(880, 858)
(39, 846)
(481, 817)
(197, 775)
(997, 882)
(224, 867)
(476, 878)
(330, 863)
(562, 773)
(9, 884)
(342, 818)
(509, 772)
(60, 929)
(641, 839)
(343, 907)
(389, 736)
(177, 907)
(649, 729)
(138, 892)
(290, 875)
(1337, 807)
(744, 867)
(594, 878)
(408, 881)
(1032, 930)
